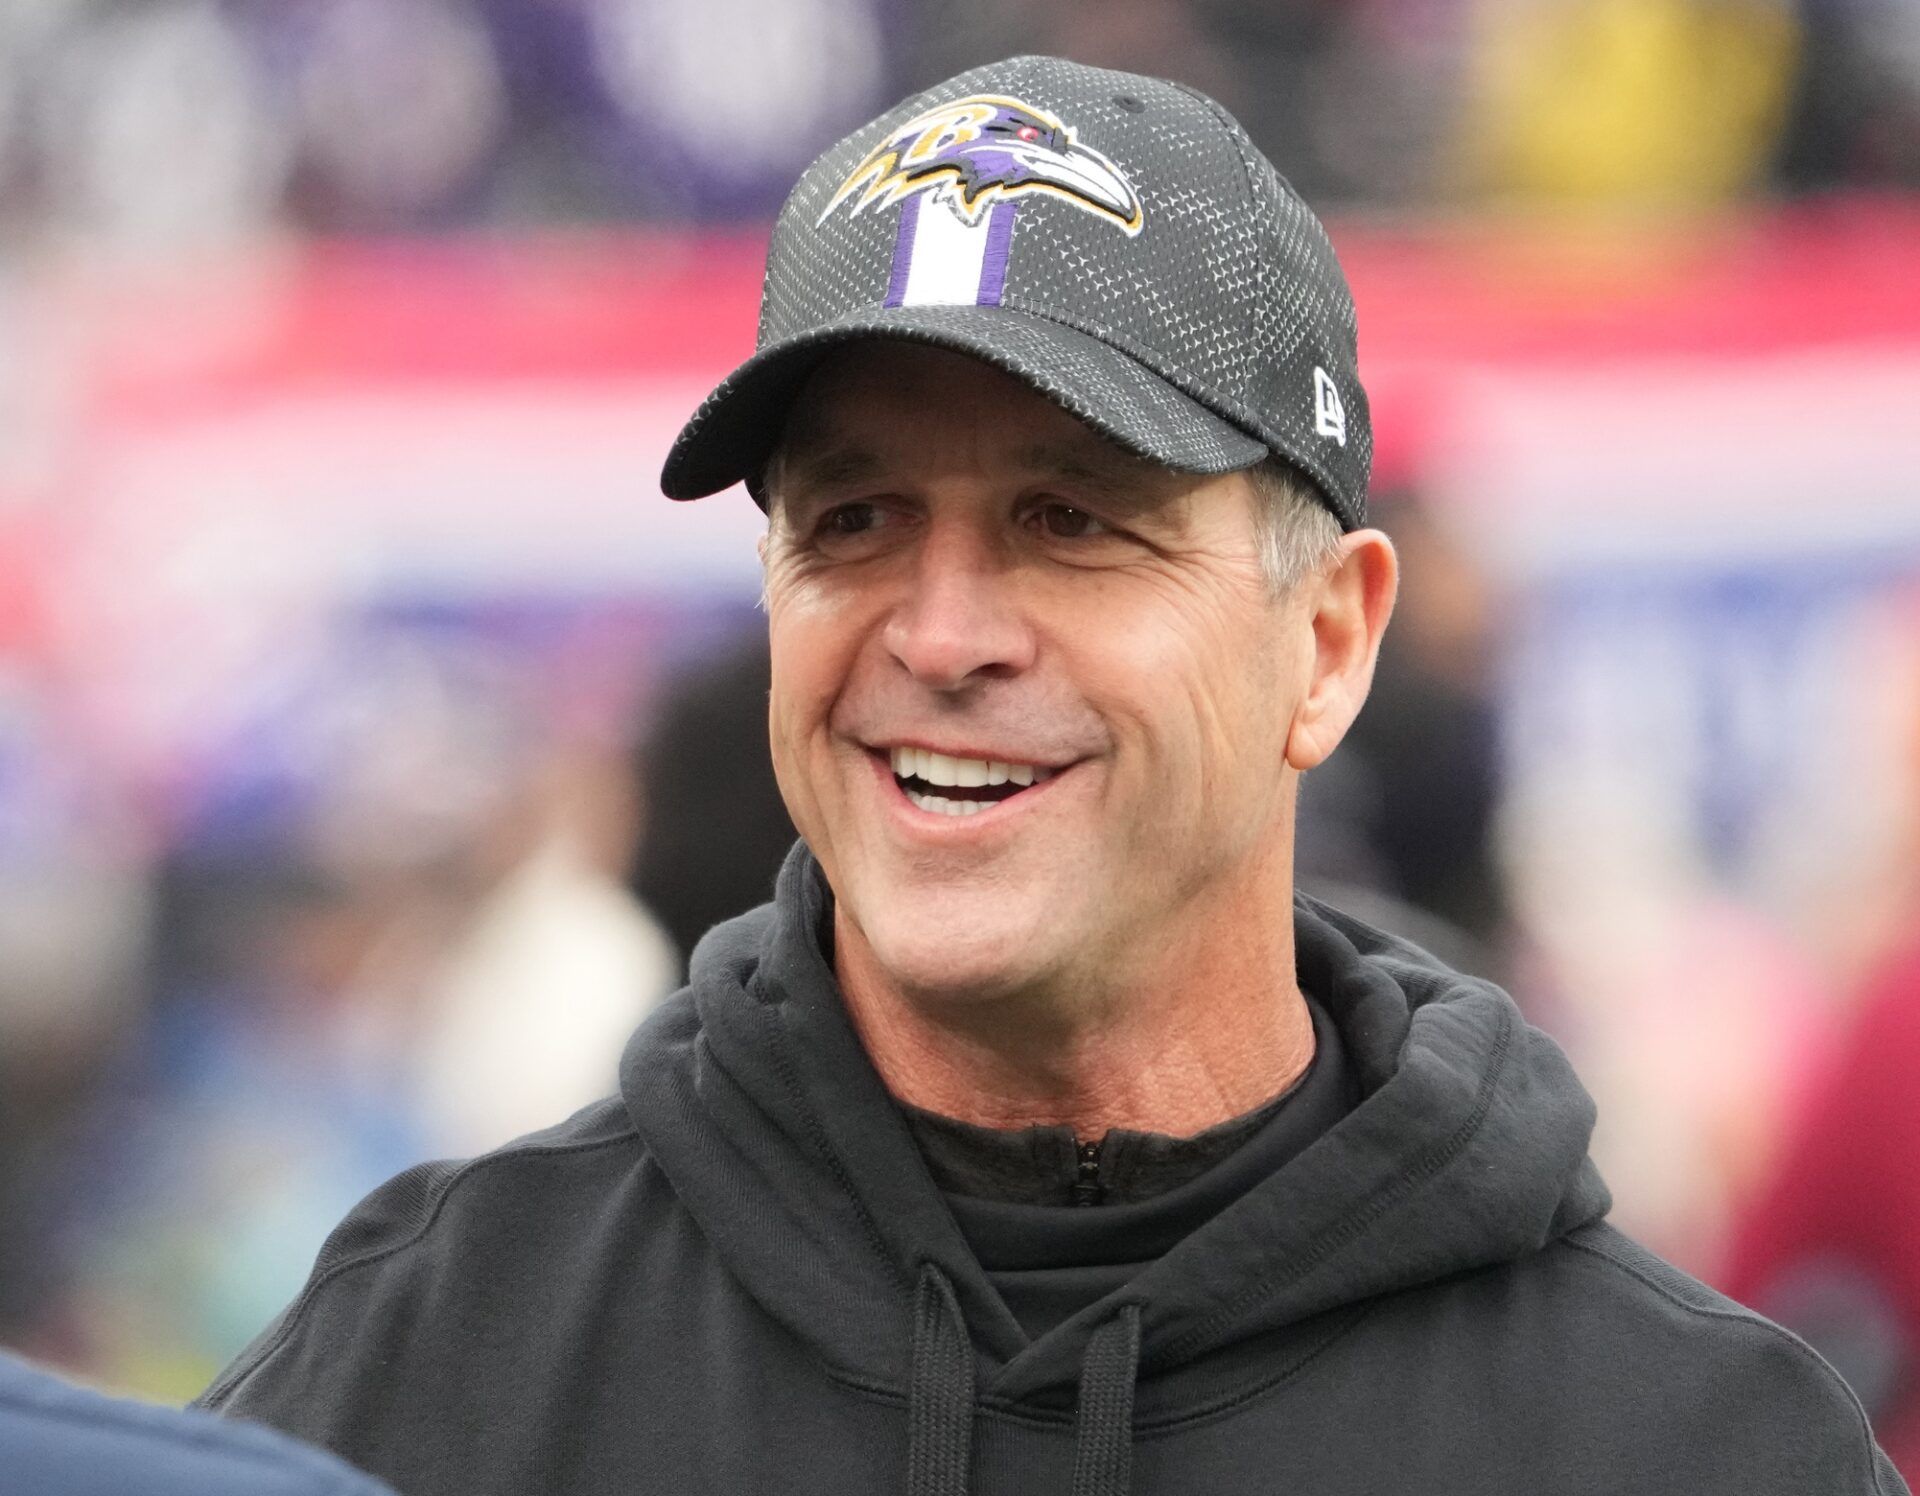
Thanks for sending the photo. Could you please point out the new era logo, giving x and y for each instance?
(1329, 415)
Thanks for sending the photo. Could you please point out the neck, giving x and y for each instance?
(1206, 1030)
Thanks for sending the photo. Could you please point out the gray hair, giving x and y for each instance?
(1297, 533)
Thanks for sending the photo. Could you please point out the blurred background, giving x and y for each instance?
(374, 741)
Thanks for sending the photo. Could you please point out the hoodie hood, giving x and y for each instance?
(1468, 1148)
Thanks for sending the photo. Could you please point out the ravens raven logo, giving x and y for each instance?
(972, 151)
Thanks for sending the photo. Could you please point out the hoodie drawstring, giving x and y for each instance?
(1103, 1438)
(940, 1395)
(940, 1399)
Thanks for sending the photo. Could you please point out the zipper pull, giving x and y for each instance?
(1087, 1188)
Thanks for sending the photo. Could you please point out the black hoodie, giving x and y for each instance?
(740, 1278)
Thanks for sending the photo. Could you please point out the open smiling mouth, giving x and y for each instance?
(960, 786)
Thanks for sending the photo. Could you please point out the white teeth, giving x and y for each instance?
(941, 805)
(939, 768)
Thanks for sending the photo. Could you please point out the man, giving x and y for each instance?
(61, 1440)
(1036, 1138)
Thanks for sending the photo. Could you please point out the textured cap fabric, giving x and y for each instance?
(1115, 241)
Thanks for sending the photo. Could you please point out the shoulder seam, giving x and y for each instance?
(1753, 1321)
(230, 1382)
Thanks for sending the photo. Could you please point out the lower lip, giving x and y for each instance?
(992, 813)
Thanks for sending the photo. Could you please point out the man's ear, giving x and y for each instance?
(1348, 610)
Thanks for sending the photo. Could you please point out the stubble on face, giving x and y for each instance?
(1143, 658)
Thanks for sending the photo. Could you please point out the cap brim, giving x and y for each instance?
(736, 428)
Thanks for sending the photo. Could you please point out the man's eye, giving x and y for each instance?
(1067, 523)
(849, 519)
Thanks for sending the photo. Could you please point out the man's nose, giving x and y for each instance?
(959, 621)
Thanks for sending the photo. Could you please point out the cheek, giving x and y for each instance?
(796, 705)
(813, 646)
(789, 713)
(1199, 682)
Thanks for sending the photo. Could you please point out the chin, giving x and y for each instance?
(927, 959)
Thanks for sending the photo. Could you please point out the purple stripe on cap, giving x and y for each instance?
(993, 267)
(903, 249)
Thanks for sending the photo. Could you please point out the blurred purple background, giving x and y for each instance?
(374, 740)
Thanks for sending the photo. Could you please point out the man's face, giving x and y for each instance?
(956, 566)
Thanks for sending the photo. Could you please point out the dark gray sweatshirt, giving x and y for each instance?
(740, 1277)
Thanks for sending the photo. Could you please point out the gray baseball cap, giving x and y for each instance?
(1115, 241)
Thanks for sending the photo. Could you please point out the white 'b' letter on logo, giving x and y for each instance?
(1329, 415)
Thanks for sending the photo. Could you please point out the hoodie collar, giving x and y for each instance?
(1468, 1147)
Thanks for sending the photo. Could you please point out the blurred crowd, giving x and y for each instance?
(172, 123)
(413, 876)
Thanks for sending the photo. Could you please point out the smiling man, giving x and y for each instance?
(1037, 1137)
(1035, 705)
